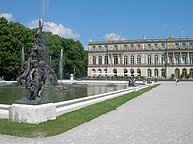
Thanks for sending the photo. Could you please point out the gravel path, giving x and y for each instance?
(162, 116)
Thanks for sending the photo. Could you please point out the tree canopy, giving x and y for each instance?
(14, 36)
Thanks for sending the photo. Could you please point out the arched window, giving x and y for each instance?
(163, 73)
(93, 70)
(177, 73)
(115, 59)
(100, 60)
(184, 73)
(191, 58)
(94, 60)
(148, 72)
(177, 58)
(139, 72)
(149, 59)
(125, 60)
(132, 72)
(99, 71)
(156, 59)
(191, 73)
(163, 59)
(115, 72)
(155, 72)
(125, 72)
(138, 59)
(132, 60)
(106, 59)
(184, 58)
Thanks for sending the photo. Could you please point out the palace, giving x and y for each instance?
(150, 58)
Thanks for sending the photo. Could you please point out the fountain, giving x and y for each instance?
(61, 64)
(36, 73)
(22, 55)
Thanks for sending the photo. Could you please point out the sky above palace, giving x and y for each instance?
(102, 20)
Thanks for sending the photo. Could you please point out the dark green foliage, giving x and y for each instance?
(14, 36)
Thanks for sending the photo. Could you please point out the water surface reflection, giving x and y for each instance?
(9, 94)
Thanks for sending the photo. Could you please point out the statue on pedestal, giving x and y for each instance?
(36, 71)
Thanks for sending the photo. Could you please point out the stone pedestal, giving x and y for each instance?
(33, 114)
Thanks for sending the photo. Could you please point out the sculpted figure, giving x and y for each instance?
(36, 71)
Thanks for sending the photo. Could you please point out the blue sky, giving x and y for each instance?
(101, 19)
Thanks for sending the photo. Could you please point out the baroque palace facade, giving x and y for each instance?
(160, 58)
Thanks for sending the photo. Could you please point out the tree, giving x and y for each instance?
(14, 36)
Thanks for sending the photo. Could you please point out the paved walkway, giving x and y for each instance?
(162, 116)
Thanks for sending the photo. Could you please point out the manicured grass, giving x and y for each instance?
(66, 121)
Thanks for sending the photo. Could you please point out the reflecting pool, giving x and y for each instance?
(9, 93)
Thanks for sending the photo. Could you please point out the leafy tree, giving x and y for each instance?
(14, 36)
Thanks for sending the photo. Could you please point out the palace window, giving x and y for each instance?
(100, 60)
(184, 73)
(106, 47)
(115, 72)
(163, 59)
(106, 59)
(148, 46)
(177, 73)
(99, 71)
(115, 59)
(132, 60)
(116, 47)
(163, 72)
(149, 59)
(191, 45)
(191, 58)
(155, 46)
(183, 45)
(184, 58)
(125, 47)
(94, 60)
(138, 59)
(99, 48)
(148, 72)
(177, 45)
(163, 46)
(139, 72)
(132, 72)
(191, 73)
(138, 46)
(132, 47)
(93, 48)
(125, 60)
(177, 58)
(155, 72)
(156, 59)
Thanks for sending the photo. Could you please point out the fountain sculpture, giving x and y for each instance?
(36, 71)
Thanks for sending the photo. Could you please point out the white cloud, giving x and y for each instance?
(112, 36)
(8, 16)
(58, 29)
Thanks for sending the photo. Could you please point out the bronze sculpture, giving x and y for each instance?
(36, 71)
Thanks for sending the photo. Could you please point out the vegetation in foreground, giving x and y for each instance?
(67, 121)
